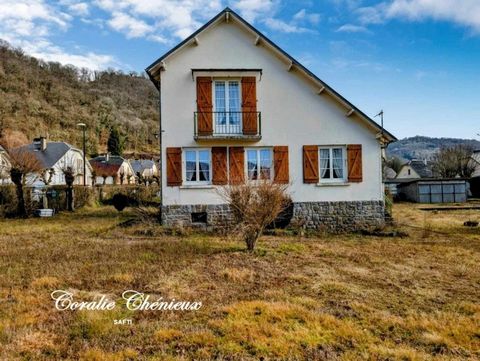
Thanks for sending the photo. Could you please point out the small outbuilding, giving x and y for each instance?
(433, 190)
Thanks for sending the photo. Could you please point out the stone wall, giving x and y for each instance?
(339, 216)
(322, 216)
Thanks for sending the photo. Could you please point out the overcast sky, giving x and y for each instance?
(419, 60)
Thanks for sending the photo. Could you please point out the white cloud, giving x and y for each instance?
(79, 8)
(133, 28)
(279, 25)
(350, 28)
(177, 17)
(302, 15)
(464, 12)
(252, 9)
(300, 22)
(29, 24)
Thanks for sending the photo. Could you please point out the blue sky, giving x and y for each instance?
(418, 60)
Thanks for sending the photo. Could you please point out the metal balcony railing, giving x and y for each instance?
(227, 124)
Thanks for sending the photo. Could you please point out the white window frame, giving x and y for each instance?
(197, 157)
(227, 101)
(258, 150)
(344, 163)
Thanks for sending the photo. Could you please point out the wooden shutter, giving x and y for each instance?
(354, 156)
(237, 164)
(219, 165)
(310, 164)
(280, 161)
(204, 106)
(174, 167)
(249, 105)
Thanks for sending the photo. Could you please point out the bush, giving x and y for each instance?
(121, 201)
(139, 195)
(8, 200)
(255, 206)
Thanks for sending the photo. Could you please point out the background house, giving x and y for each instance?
(146, 168)
(112, 169)
(476, 160)
(4, 167)
(416, 168)
(55, 157)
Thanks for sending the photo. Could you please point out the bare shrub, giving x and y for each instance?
(22, 163)
(255, 206)
(454, 162)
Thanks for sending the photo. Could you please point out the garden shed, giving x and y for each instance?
(434, 190)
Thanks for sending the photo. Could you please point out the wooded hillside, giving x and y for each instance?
(48, 99)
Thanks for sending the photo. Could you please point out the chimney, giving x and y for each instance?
(40, 143)
(107, 157)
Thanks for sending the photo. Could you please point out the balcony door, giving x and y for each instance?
(228, 109)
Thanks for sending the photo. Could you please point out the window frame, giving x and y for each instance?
(330, 148)
(227, 101)
(258, 151)
(197, 166)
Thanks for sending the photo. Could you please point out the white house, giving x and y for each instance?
(4, 167)
(55, 158)
(416, 168)
(235, 107)
(476, 160)
(146, 168)
(112, 169)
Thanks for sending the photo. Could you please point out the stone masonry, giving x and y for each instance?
(332, 217)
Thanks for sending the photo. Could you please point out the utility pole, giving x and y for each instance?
(84, 129)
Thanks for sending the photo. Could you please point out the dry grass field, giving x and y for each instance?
(349, 297)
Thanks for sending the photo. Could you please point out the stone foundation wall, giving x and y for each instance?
(339, 216)
(322, 216)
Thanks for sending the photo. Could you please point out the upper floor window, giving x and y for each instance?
(197, 166)
(332, 164)
(259, 163)
(227, 107)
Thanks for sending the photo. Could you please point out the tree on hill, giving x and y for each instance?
(116, 142)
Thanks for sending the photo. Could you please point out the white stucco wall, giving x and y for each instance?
(293, 114)
(407, 172)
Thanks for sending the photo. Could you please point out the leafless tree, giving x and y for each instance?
(22, 164)
(454, 162)
(254, 206)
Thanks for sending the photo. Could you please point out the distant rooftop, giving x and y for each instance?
(48, 157)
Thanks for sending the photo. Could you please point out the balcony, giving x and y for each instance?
(246, 126)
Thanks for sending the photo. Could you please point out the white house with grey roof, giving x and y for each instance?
(146, 168)
(237, 108)
(55, 157)
(4, 167)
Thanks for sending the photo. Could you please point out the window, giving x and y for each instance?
(197, 166)
(259, 163)
(227, 107)
(332, 164)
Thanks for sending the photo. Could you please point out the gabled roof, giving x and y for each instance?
(422, 169)
(154, 68)
(104, 167)
(140, 165)
(51, 155)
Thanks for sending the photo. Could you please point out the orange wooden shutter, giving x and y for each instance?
(174, 167)
(280, 161)
(204, 106)
(219, 165)
(249, 105)
(354, 156)
(236, 163)
(310, 164)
